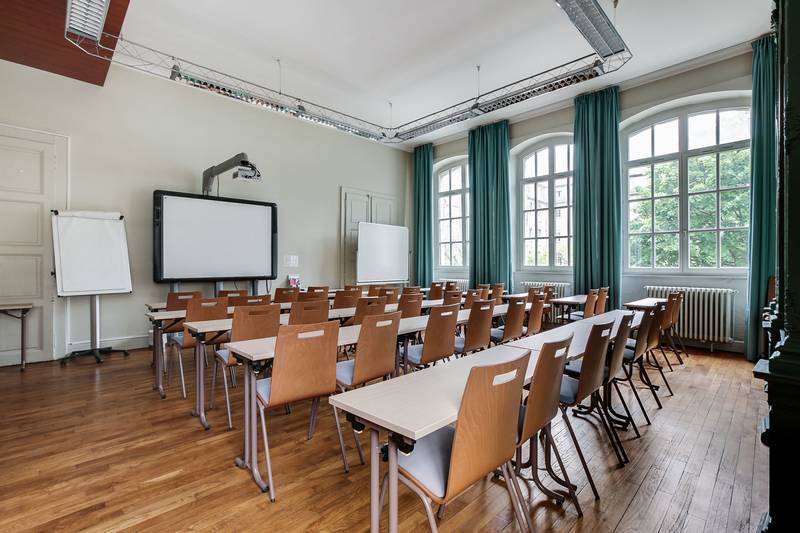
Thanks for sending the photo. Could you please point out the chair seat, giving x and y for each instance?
(182, 341)
(497, 334)
(415, 353)
(459, 344)
(575, 316)
(630, 343)
(569, 390)
(573, 369)
(344, 372)
(262, 390)
(430, 461)
(628, 355)
(225, 356)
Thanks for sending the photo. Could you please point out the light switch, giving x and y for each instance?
(291, 261)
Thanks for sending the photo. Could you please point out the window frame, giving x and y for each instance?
(682, 113)
(451, 270)
(550, 142)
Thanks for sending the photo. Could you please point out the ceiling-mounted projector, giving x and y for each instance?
(244, 169)
(247, 171)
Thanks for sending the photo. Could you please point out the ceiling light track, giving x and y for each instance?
(587, 16)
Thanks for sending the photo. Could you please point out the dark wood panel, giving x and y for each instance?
(32, 34)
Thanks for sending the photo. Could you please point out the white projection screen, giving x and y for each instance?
(207, 238)
(382, 253)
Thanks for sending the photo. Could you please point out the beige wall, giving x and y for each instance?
(140, 133)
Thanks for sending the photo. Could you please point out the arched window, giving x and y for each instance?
(545, 204)
(686, 189)
(452, 216)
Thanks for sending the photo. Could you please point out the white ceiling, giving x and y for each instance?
(357, 55)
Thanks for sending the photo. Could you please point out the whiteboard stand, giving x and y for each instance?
(94, 341)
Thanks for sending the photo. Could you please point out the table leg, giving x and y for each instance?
(392, 486)
(158, 356)
(199, 371)
(374, 482)
(253, 433)
(243, 461)
(22, 314)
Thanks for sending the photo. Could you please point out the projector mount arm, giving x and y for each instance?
(244, 169)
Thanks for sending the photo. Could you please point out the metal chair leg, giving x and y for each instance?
(661, 347)
(661, 371)
(358, 447)
(629, 379)
(312, 422)
(570, 486)
(674, 347)
(625, 406)
(227, 399)
(647, 381)
(517, 499)
(213, 385)
(341, 440)
(609, 431)
(180, 368)
(565, 417)
(266, 452)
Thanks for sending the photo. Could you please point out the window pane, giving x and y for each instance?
(702, 130)
(640, 217)
(571, 156)
(667, 214)
(639, 182)
(444, 182)
(640, 251)
(542, 223)
(665, 178)
(571, 191)
(560, 193)
(703, 249)
(455, 178)
(529, 195)
(455, 205)
(665, 138)
(541, 194)
(734, 208)
(703, 211)
(640, 145)
(530, 252)
(529, 167)
(733, 248)
(561, 156)
(734, 125)
(530, 224)
(734, 168)
(543, 162)
(455, 230)
(444, 207)
(543, 252)
(702, 173)
(444, 231)
(457, 258)
(444, 254)
(667, 250)
(562, 221)
(570, 221)
(562, 252)
(466, 204)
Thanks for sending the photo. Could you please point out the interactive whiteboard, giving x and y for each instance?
(382, 253)
(91, 253)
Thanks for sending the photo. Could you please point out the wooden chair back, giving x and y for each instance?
(452, 297)
(545, 390)
(471, 296)
(602, 298)
(654, 333)
(202, 309)
(304, 366)
(346, 298)
(392, 294)
(237, 301)
(548, 292)
(255, 322)
(437, 291)
(308, 312)
(440, 333)
(616, 357)
(486, 431)
(676, 311)
(177, 301)
(229, 293)
(479, 325)
(497, 292)
(376, 348)
(534, 293)
(591, 300)
(367, 306)
(535, 315)
(314, 293)
(410, 305)
(353, 287)
(594, 360)
(411, 290)
(374, 290)
(487, 286)
(515, 318)
(669, 314)
(643, 334)
(286, 295)
(451, 286)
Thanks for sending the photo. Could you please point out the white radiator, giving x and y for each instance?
(463, 284)
(559, 289)
(706, 314)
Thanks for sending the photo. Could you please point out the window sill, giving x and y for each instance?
(732, 274)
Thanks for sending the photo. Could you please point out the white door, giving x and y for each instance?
(33, 178)
(383, 209)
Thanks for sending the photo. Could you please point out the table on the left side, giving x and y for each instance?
(22, 310)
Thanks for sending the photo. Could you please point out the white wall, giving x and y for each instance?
(732, 74)
(139, 133)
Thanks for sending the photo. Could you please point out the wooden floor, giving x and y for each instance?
(91, 447)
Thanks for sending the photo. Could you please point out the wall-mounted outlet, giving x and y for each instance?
(291, 261)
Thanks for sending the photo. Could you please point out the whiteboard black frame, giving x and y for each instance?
(158, 237)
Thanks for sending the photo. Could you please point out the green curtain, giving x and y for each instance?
(763, 187)
(490, 221)
(597, 259)
(423, 213)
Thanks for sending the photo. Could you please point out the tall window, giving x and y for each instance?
(688, 191)
(452, 210)
(546, 202)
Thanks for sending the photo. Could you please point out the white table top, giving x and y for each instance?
(15, 307)
(645, 303)
(575, 299)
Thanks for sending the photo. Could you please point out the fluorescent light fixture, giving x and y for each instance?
(590, 19)
(87, 17)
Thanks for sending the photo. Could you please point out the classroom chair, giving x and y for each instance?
(452, 297)
(548, 291)
(667, 326)
(449, 461)
(392, 294)
(654, 342)
(303, 368)
(633, 355)
(367, 306)
(308, 312)
(487, 286)
(177, 301)
(353, 288)
(588, 307)
(451, 286)
(374, 290)
(439, 338)
(673, 332)
(249, 322)
(411, 290)
(237, 301)
(497, 292)
(314, 293)
(346, 298)
(574, 391)
(229, 293)
(437, 291)
(535, 422)
(286, 295)
(477, 334)
(515, 320)
(599, 305)
(535, 316)
(471, 296)
(410, 305)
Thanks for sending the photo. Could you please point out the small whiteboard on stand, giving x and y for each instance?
(382, 253)
(91, 253)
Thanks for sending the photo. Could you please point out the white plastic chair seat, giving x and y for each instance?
(344, 371)
(429, 463)
(262, 390)
(496, 334)
(630, 343)
(459, 344)
(415, 353)
(569, 390)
